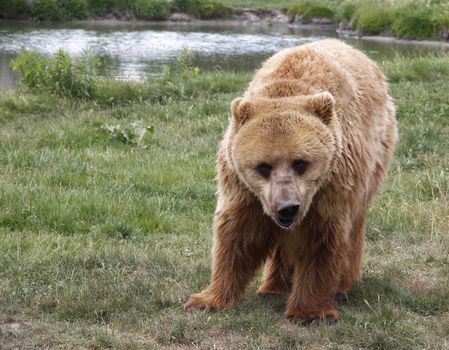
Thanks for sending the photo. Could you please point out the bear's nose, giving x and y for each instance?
(286, 212)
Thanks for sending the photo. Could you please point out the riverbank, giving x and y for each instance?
(393, 40)
(403, 19)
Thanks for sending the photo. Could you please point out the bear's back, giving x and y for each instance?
(328, 65)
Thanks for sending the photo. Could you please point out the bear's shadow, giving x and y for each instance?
(372, 290)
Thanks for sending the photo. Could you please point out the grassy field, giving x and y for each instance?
(105, 234)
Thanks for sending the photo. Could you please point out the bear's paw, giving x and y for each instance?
(203, 302)
(328, 316)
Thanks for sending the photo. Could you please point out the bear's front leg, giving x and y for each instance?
(241, 243)
(316, 278)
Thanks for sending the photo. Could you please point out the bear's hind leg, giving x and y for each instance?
(276, 275)
(351, 272)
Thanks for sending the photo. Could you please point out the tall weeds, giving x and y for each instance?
(58, 74)
(77, 78)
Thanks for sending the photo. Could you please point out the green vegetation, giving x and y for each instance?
(58, 74)
(411, 19)
(64, 76)
(309, 9)
(345, 10)
(134, 134)
(64, 10)
(262, 4)
(47, 10)
(373, 17)
(204, 9)
(18, 9)
(150, 9)
(57, 10)
(419, 68)
(105, 228)
(417, 24)
(104, 7)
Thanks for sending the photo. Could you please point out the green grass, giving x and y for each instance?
(307, 10)
(373, 16)
(102, 241)
(150, 9)
(410, 19)
(204, 9)
(417, 24)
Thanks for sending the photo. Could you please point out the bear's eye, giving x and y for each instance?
(264, 170)
(300, 166)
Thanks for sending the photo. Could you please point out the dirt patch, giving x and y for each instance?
(10, 327)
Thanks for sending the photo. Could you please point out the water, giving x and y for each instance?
(138, 52)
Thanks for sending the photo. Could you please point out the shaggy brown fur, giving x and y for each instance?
(315, 130)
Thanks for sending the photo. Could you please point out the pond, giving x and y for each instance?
(136, 52)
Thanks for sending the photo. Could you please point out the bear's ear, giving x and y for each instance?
(242, 109)
(322, 104)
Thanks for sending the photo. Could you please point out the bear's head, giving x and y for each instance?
(282, 150)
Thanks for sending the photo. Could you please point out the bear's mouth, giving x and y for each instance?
(285, 223)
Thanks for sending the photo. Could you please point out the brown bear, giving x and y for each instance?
(307, 147)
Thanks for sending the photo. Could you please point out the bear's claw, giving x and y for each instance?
(311, 321)
(315, 317)
(195, 308)
(201, 302)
